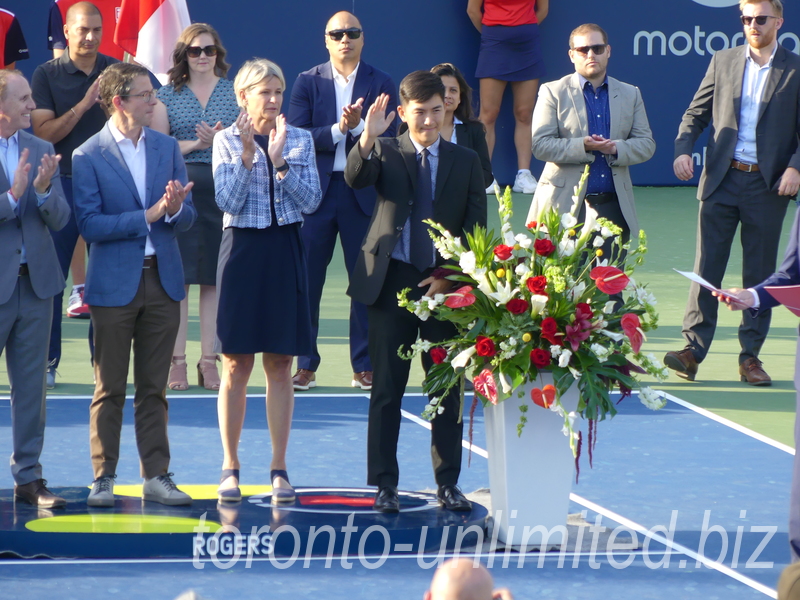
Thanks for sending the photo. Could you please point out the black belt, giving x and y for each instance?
(150, 262)
(604, 198)
(23, 269)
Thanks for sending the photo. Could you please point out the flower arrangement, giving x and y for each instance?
(545, 300)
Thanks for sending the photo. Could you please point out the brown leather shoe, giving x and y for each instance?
(753, 372)
(683, 363)
(37, 494)
(362, 380)
(304, 380)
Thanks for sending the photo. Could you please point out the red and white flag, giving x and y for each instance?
(149, 29)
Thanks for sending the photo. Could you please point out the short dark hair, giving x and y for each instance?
(588, 28)
(420, 86)
(464, 111)
(117, 80)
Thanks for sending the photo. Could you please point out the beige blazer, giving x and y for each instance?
(559, 126)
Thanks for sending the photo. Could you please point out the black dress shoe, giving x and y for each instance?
(386, 500)
(36, 493)
(451, 498)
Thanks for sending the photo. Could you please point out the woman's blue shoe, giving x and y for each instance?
(233, 494)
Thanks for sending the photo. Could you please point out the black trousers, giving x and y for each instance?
(391, 327)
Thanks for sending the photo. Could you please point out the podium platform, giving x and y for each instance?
(321, 522)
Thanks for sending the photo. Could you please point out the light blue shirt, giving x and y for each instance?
(753, 84)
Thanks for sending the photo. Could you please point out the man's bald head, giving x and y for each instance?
(461, 579)
(82, 8)
(340, 16)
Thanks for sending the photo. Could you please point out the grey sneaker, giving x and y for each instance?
(51, 374)
(163, 490)
(102, 493)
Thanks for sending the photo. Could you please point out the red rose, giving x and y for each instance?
(583, 312)
(544, 247)
(532, 225)
(632, 327)
(537, 285)
(609, 280)
(438, 355)
(503, 252)
(485, 346)
(544, 397)
(550, 331)
(540, 358)
(463, 296)
(517, 306)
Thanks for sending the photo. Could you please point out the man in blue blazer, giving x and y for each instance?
(32, 205)
(131, 197)
(329, 101)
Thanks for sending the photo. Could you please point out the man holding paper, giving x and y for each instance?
(757, 300)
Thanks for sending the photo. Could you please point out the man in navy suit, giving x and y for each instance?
(131, 197)
(329, 101)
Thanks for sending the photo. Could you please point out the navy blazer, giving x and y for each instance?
(313, 107)
(111, 217)
(789, 272)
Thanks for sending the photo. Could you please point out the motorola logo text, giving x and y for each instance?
(681, 43)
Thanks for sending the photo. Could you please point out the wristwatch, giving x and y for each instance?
(283, 169)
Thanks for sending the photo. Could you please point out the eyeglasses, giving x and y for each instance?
(146, 96)
(597, 49)
(194, 51)
(760, 19)
(352, 33)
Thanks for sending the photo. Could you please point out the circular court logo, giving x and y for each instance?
(717, 3)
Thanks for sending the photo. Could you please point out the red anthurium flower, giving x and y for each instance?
(537, 285)
(550, 331)
(438, 355)
(540, 358)
(462, 297)
(610, 280)
(577, 333)
(544, 247)
(485, 385)
(633, 329)
(503, 252)
(517, 306)
(544, 397)
(485, 346)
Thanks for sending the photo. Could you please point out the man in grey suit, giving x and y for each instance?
(131, 197)
(750, 95)
(590, 118)
(31, 205)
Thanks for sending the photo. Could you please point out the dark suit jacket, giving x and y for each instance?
(471, 134)
(313, 107)
(459, 202)
(33, 225)
(111, 217)
(789, 272)
(718, 101)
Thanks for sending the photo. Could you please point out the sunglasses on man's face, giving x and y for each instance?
(597, 49)
(194, 51)
(760, 19)
(337, 34)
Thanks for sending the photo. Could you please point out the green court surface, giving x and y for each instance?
(669, 216)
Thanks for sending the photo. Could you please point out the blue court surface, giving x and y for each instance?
(706, 500)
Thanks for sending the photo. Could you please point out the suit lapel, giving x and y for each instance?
(152, 156)
(775, 74)
(409, 154)
(24, 142)
(362, 83)
(614, 108)
(443, 170)
(327, 91)
(578, 102)
(737, 77)
(112, 155)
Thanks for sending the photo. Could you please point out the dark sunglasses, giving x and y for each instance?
(195, 51)
(760, 19)
(337, 34)
(598, 49)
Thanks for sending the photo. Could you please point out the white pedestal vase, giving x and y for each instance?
(530, 476)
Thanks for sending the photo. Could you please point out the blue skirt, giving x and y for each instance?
(510, 53)
(263, 292)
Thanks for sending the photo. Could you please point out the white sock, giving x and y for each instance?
(521, 171)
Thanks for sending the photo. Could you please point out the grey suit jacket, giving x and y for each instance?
(718, 102)
(559, 126)
(33, 227)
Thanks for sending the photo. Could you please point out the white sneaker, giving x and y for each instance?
(491, 189)
(525, 183)
(163, 490)
(102, 493)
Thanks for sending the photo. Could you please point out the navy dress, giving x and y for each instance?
(263, 288)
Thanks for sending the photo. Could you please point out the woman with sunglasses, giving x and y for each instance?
(510, 53)
(265, 176)
(197, 103)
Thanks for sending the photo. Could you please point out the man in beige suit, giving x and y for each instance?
(590, 118)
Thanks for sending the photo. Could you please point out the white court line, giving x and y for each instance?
(711, 564)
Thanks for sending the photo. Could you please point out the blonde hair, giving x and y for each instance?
(777, 5)
(253, 72)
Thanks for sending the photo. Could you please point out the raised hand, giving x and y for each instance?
(277, 140)
(21, 175)
(45, 172)
(175, 194)
(352, 113)
(205, 134)
(245, 125)
(377, 120)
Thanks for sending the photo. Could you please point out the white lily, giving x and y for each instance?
(504, 293)
(463, 357)
(538, 303)
(609, 307)
(617, 337)
(577, 291)
(505, 383)
(568, 221)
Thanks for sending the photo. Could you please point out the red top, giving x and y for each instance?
(12, 42)
(58, 16)
(509, 12)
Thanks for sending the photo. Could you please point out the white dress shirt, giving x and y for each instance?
(453, 137)
(753, 84)
(344, 97)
